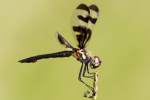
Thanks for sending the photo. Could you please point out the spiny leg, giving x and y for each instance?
(91, 73)
(81, 75)
(95, 88)
(86, 69)
(94, 77)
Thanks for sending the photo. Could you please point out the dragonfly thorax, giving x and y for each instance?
(81, 55)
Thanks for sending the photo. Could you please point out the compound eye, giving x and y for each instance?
(96, 62)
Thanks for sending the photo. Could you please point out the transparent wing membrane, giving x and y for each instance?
(85, 16)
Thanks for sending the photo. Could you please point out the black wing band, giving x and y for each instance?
(82, 30)
(94, 7)
(83, 7)
(84, 36)
(46, 56)
(87, 19)
(88, 8)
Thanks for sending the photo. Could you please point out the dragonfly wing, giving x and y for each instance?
(85, 16)
(63, 41)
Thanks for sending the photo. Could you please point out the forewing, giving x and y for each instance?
(84, 18)
(94, 13)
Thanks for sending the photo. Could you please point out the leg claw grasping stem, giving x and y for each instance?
(93, 95)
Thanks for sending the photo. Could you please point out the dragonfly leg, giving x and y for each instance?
(81, 74)
(90, 75)
(88, 71)
(93, 88)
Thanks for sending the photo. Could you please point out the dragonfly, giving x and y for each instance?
(83, 34)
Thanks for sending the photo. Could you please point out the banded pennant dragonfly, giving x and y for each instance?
(83, 34)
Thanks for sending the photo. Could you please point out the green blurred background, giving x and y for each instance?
(121, 38)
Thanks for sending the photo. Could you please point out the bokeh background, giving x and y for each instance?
(121, 38)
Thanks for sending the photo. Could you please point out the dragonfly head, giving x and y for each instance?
(95, 62)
